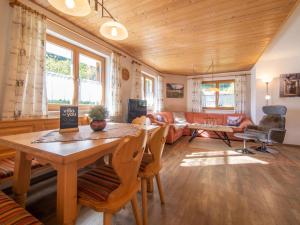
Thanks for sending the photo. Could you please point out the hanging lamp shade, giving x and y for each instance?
(114, 30)
(72, 7)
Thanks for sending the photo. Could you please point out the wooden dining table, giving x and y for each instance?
(65, 157)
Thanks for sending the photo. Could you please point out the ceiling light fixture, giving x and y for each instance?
(212, 89)
(111, 29)
(72, 7)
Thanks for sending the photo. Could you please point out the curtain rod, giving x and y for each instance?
(220, 75)
(13, 3)
(135, 62)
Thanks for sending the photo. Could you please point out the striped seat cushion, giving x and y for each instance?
(7, 167)
(147, 159)
(98, 183)
(12, 214)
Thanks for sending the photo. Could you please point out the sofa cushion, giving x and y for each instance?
(12, 214)
(168, 116)
(179, 118)
(160, 118)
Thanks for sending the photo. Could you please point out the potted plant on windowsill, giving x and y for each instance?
(98, 114)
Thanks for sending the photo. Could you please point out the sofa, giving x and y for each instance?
(178, 130)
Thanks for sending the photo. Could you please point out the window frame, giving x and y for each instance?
(145, 76)
(76, 51)
(217, 82)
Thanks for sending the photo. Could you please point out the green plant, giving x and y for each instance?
(98, 112)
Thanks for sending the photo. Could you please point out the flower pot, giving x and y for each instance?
(98, 125)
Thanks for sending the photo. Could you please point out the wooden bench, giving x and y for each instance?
(12, 213)
(11, 127)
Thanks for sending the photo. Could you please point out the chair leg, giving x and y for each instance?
(78, 208)
(136, 210)
(107, 219)
(150, 185)
(144, 201)
(161, 194)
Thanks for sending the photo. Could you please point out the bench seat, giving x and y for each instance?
(13, 214)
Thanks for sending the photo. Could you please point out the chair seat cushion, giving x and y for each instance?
(147, 159)
(12, 214)
(98, 183)
(7, 167)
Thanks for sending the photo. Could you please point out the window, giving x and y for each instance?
(218, 94)
(75, 76)
(148, 88)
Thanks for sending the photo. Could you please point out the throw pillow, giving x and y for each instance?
(160, 118)
(179, 118)
(234, 121)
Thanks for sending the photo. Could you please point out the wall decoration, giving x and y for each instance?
(175, 90)
(290, 85)
(125, 74)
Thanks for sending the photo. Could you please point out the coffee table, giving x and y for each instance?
(220, 130)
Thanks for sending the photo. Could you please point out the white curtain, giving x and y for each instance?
(24, 92)
(196, 95)
(137, 91)
(160, 94)
(115, 87)
(240, 93)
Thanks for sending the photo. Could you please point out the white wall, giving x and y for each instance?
(281, 57)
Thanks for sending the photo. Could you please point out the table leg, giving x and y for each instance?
(194, 134)
(227, 139)
(224, 138)
(21, 180)
(67, 194)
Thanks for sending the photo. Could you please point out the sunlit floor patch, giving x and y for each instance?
(225, 160)
(213, 153)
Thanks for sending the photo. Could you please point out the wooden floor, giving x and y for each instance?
(207, 183)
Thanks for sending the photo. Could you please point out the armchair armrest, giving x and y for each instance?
(254, 127)
(245, 123)
(276, 135)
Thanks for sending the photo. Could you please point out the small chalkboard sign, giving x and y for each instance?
(68, 119)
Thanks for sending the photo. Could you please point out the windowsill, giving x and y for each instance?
(218, 108)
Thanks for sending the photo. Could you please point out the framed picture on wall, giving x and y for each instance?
(174, 90)
(290, 85)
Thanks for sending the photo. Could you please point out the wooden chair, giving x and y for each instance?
(107, 188)
(151, 165)
(139, 120)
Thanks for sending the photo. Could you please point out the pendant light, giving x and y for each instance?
(111, 29)
(213, 89)
(72, 7)
(114, 30)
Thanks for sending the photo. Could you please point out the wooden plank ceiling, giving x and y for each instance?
(181, 36)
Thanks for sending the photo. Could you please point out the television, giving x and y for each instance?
(136, 108)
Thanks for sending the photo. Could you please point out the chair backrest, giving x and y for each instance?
(126, 161)
(139, 120)
(157, 144)
(274, 118)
